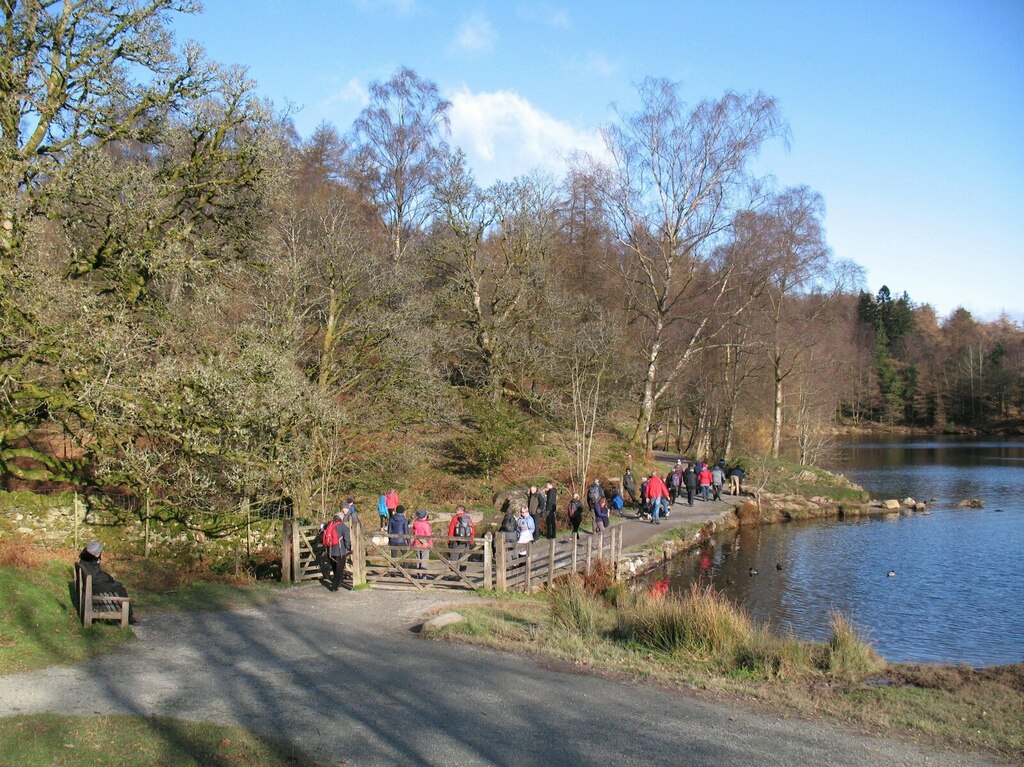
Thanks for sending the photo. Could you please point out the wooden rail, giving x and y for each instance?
(478, 563)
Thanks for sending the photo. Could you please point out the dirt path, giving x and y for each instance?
(343, 675)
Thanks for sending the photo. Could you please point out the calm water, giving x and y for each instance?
(958, 593)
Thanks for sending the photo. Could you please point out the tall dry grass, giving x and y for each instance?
(848, 656)
(573, 609)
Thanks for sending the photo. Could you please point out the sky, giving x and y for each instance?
(907, 117)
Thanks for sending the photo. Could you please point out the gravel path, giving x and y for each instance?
(343, 675)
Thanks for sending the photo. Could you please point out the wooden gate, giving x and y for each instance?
(427, 563)
(303, 557)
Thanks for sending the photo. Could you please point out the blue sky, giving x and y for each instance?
(907, 117)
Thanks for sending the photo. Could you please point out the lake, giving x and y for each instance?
(958, 592)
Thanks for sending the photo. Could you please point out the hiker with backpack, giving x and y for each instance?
(575, 513)
(595, 493)
(461, 532)
(717, 480)
(382, 512)
(509, 527)
(657, 495)
(338, 542)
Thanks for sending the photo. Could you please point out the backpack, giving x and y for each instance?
(329, 537)
(464, 526)
(594, 494)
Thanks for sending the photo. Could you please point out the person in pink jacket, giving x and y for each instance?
(657, 494)
(421, 538)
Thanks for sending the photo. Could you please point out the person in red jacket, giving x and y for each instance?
(657, 495)
(704, 480)
(391, 501)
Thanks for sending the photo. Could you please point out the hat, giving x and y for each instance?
(350, 501)
(421, 514)
(94, 547)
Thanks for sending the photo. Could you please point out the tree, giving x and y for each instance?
(675, 177)
(399, 139)
(77, 74)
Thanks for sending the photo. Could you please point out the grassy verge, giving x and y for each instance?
(126, 741)
(703, 642)
(38, 623)
(785, 477)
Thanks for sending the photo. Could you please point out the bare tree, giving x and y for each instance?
(399, 138)
(675, 178)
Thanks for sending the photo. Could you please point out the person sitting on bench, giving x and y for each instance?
(102, 581)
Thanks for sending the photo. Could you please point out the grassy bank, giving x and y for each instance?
(38, 623)
(703, 642)
(128, 741)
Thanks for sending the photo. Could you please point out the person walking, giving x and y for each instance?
(382, 512)
(675, 484)
(736, 480)
(422, 538)
(575, 513)
(594, 494)
(601, 519)
(550, 509)
(338, 540)
(704, 480)
(536, 502)
(398, 529)
(391, 501)
(717, 480)
(527, 527)
(461, 532)
(509, 527)
(657, 495)
(629, 485)
(690, 481)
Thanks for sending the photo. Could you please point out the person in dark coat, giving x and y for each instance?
(536, 502)
(398, 530)
(575, 513)
(340, 551)
(690, 480)
(550, 509)
(629, 485)
(102, 581)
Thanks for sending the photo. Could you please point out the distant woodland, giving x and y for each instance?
(199, 304)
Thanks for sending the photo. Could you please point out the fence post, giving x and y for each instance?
(575, 556)
(590, 552)
(529, 559)
(600, 545)
(286, 551)
(488, 561)
(358, 553)
(145, 545)
(500, 564)
(248, 527)
(74, 513)
(551, 562)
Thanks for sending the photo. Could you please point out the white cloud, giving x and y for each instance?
(353, 92)
(550, 15)
(595, 63)
(504, 135)
(474, 35)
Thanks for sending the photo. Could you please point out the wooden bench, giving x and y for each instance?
(99, 607)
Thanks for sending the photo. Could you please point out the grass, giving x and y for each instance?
(703, 642)
(127, 741)
(39, 626)
(38, 623)
(788, 478)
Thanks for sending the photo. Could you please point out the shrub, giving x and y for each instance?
(848, 656)
(18, 551)
(701, 622)
(573, 609)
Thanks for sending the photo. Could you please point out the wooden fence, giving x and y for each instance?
(480, 563)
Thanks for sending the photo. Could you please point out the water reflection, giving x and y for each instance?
(959, 587)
